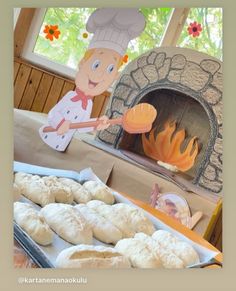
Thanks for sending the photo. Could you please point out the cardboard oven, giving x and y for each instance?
(185, 87)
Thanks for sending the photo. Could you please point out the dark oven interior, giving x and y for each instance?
(188, 113)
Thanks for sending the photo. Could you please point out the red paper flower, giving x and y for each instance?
(194, 29)
(51, 32)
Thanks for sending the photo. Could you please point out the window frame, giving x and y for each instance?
(29, 55)
(170, 37)
(16, 13)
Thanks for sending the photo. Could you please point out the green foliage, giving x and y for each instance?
(156, 21)
(70, 46)
(210, 39)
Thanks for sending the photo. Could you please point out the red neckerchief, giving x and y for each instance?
(81, 96)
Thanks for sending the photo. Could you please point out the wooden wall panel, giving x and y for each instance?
(39, 90)
(219, 244)
(99, 103)
(22, 28)
(68, 86)
(216, 237)
(31, 89)
(54, 94)
(20, 84)
(16, 70)
(42, 93)
(105, 103)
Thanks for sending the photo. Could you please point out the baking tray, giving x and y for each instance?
(45, 256)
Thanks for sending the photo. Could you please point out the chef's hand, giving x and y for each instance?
(64, 127)
(104, 124)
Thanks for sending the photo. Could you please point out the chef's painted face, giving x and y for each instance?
(97, 72)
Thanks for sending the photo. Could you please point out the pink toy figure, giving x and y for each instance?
(113, 28)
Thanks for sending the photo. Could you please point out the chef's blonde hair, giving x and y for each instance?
(90, 52)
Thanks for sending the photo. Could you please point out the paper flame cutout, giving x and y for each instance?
(166, 147)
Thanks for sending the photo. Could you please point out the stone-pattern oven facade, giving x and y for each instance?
(184, 70)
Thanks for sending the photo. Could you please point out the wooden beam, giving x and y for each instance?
(174, 26)
(212, 225)
(22, 28)
(42, 93)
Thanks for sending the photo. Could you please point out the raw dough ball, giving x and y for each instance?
(99, 191)
(84, 256)
(34, 188)
(138, 253)
(81, 195)
(20, 176)
(167, 258)
(171, 243)
(120, 220)
(139, 222)
(164, 238)
(128, 219)
(32, 223)
(103, 229)
(186, 253)
(95, 203)
(61, 192)
(68, 223)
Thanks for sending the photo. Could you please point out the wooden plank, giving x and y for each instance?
(42, 93)
(219, 243)
(217, 232)
(104, 106)
(31, 89)
(16, 70)
(22, 28)
(68, 86)
(99, 104)
(174, 27)
(212, 223)
(43, 70)
(54, 94)
(20, 84)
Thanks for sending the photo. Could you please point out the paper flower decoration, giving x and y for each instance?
(194, 29)
(125, 58)
(51, 31)
(84, 35)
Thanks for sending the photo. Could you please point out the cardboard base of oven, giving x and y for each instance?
(119, 174)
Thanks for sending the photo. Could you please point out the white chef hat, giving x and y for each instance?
(113, 28)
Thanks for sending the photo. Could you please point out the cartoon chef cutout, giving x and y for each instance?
(112, 30)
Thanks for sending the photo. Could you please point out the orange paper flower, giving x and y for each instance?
(51, 31)
(166, 147)
(125, 58)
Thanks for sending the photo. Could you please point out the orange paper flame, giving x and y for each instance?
(166, 147)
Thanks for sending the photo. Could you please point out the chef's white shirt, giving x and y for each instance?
(66, 109)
